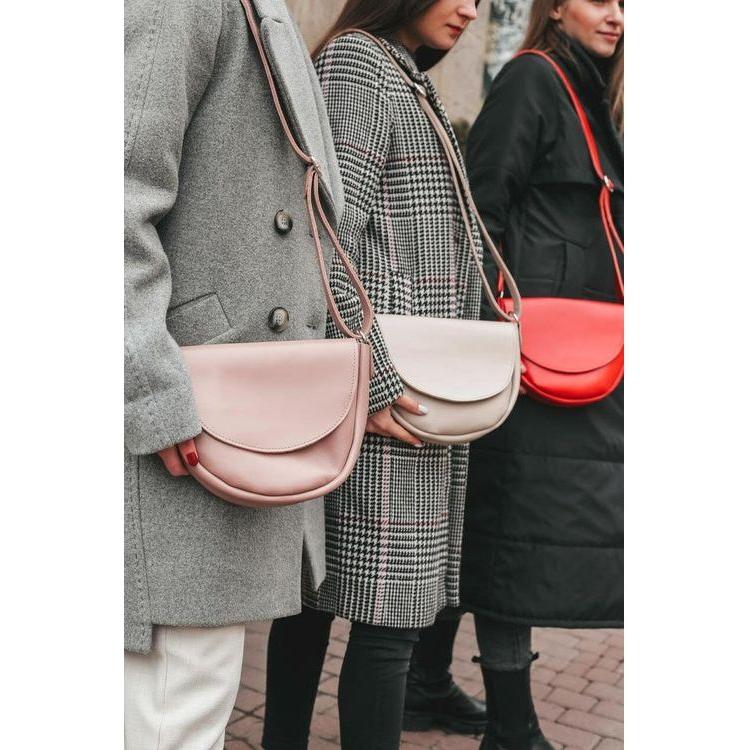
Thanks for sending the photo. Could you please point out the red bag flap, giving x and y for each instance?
(570, 335)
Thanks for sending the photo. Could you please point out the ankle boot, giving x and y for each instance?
(432, 697)
(434, 700)
(512, 723)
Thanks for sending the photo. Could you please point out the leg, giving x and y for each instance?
(505, 655)
(503, 647)
(434, 650)
(296, 650)
(180, 695)
(432, 696)
(372, 686)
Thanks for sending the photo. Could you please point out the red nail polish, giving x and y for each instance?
(192, 458)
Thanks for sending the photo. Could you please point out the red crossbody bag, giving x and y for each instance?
(574, 349)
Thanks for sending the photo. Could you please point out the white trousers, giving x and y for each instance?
(181, 694)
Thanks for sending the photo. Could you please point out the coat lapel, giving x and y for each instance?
(289, 61)
(408, 63)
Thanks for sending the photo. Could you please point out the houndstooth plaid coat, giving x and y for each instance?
(394, 528)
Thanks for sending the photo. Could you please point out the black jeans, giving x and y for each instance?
(503, 647)
(372, 683)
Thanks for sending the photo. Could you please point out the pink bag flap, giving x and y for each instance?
(248, 395)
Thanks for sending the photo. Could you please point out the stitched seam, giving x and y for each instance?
(537, 455)
(236, 619)
(218, 42)
(221, 305)
(142, 586)
(145, 77)
(543, 622)
(326, 431)
(196, 300)
(542, 542)
(144, 387)
(163, 688)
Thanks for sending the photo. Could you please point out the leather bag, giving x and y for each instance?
(283, 421)
(467, 372)
(574, 349)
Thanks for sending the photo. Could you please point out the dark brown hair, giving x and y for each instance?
(382, 18)
(544, 33)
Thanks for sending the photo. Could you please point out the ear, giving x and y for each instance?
(554, 13)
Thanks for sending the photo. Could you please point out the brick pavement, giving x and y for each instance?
(577, 685)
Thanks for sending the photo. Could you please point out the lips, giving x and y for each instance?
(612, 37)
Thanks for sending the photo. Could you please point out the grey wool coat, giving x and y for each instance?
(394, 527)
(207, 168)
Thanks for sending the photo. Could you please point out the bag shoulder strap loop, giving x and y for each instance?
(315, 209)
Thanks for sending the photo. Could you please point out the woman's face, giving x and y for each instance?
(441, 25)
(596, 24)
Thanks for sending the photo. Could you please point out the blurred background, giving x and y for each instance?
(464, 76)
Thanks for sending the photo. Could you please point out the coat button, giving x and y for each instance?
(278, 319)
(283, 222)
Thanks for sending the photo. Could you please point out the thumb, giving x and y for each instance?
(408, 403)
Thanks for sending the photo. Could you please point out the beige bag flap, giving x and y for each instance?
(451, 359)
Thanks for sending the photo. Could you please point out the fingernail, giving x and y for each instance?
(420, 445)
(192, 458)
(423, 409)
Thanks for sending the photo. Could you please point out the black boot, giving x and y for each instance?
(512, 723)
(432, 697)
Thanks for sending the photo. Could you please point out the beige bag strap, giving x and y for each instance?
(314, 203)
(463, 193)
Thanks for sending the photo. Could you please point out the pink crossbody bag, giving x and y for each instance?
(283, 421)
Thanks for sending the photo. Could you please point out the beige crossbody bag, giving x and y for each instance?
(467, 372)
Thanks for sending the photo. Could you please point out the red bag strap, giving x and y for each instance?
(314, 204)
(605, 204)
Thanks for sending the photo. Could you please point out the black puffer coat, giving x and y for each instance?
(544, 513)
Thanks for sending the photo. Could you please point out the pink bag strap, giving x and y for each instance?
(605, 202)
(314, 204)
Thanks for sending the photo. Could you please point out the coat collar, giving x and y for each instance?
(404, 58)
(298, 87)
(408, 63)
(589, 78)
(586, 73)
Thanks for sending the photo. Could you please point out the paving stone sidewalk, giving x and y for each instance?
(577, 685)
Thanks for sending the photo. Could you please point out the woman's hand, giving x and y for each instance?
(171, 458)
(383, 423)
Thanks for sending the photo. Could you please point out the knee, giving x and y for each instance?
(396, 642)
(503, 647)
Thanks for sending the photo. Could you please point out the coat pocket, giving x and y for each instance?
(197, 321)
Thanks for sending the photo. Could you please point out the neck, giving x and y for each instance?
(599, 67)
(407, 40)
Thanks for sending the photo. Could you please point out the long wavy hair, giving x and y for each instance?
(382, 18)
(544, 33)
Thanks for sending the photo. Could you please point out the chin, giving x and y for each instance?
(603, 50)
(443, 43)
